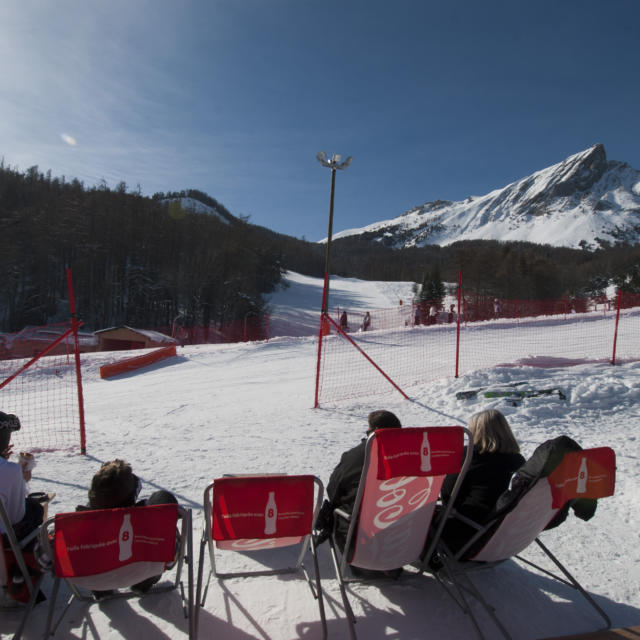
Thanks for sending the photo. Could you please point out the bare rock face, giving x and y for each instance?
(578, 173)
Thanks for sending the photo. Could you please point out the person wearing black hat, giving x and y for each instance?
(25, 513)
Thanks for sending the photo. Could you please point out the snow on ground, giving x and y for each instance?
(247, 408)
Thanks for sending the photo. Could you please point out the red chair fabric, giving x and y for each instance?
(261, 512)
(93, 542)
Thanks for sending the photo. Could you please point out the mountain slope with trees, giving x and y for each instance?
(135, 260)
(144, 261)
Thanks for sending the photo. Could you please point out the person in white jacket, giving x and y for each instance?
(25, 513)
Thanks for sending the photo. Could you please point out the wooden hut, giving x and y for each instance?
(124, 338)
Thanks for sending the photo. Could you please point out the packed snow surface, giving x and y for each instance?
(247, 408)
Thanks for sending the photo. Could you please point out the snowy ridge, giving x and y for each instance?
(579, 202)
(195, 206)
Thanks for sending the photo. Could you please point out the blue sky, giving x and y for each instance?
(235, 97)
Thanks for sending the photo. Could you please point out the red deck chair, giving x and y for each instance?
(112, 549)
(589, 473)
(13, 559)
(253, 513)
(400, 484)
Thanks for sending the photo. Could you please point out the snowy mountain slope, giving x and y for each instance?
(196, 206)
(247, 408)
(579, 202)
(295, 308)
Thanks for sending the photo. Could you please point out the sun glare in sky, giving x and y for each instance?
(70, 140)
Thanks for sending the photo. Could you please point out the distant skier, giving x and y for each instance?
(366, 322)
(344, 321)
(452, 314)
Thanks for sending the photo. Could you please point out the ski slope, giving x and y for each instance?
(247, 408)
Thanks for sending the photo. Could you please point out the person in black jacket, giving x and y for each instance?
(496, 455)
(345, 479)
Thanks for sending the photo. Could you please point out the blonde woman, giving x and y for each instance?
(496, 455)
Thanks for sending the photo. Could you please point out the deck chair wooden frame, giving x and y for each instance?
(16, 548)
(589, 473)
(284, 509)
(127, 545)
(397, 496)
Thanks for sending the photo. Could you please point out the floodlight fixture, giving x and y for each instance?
(335, 162)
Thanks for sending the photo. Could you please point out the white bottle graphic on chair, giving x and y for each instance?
(582, 477)
(125, 538)
(270, 514)
(425, 453)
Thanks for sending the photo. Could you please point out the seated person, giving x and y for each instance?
(25, 513)
(496, 455)
(115, 486)
(344, 481)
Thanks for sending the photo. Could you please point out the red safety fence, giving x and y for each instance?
(247, 330)
(412, 345)
(43, 392)
(31, 341)
(41, 383)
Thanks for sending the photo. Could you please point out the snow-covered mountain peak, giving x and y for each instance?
(583, 201)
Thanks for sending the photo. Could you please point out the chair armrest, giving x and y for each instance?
(25, 541)
(43, 551)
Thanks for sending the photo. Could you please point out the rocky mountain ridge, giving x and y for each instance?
(584, 201)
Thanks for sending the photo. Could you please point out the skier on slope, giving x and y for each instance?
(344, 321)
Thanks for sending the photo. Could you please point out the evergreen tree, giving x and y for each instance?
(432, 289)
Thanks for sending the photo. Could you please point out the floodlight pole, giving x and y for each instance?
(334, 163)
(327, 255)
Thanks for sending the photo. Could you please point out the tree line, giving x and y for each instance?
(135, 260)
(145, 261)
(517, 270)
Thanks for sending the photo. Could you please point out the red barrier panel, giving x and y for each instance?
(137, 362)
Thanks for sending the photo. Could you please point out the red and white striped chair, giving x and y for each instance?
(399, 488)
(255, 513)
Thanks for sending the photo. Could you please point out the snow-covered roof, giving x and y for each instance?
(155, 336)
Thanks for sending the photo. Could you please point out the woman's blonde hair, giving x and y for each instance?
(492, 433)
